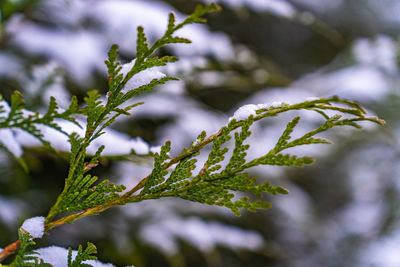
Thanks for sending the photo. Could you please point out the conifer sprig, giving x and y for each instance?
(82, 256)
(218, 181)
(25, 257)
(220, 187)
(20, 118)
(77, 194)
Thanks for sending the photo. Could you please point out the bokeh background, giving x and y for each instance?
(341, 211)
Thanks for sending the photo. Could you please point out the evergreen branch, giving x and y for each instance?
(213, 184)
(76, 195)
(215, 187)
(19, 118)
(25, 258)
(186, 187)
(82, 256)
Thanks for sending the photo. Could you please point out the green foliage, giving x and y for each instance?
(82, 255)
(26, 258)
(79, 192)
(82, 194)
(222, 179)
(30, 122)
(10, 7)
(214, 186)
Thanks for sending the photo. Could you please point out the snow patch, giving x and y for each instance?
(381, 52)
(58, 257)
(201, 234)
(250, 110)
(10, 210)
(142, 78)
(7, 138)
(278, 8)
(155, 149)
(34, 226)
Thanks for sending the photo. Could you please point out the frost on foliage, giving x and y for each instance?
(34, 226)
(202, 235)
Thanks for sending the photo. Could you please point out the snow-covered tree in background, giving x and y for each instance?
(315, 224)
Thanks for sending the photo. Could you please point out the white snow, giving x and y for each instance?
(244, 112)
(155, 149)
(203, 235)
(6, 107)
(275, 104)
(359, 82)
(187, 126)
(80, 52)
(10, 210)
(250, 109)
(382, 253)
(380, 52)
(211, 78)
(34, 226)
(142, 78)
(115, 143)
(46, 80)
(122, 17)
(9, 64)
(7, 138)
(362, 218)
(81, 49)
(139, 146)
(58, 257)
(279, 8)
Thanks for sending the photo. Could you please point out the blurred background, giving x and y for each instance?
(341, 211)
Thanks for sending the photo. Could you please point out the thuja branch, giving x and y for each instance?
(270, 158)
(206, 177)
(79, 194)
(216, 183)
(99, 115)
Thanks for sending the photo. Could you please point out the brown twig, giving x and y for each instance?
(10, 250)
